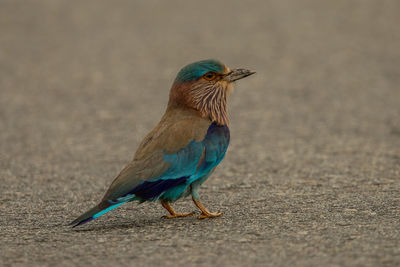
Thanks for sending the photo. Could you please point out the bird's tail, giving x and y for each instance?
(94, 213)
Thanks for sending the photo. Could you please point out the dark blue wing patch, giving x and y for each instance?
(152, 189)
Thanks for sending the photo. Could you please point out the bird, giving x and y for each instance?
(183, 149)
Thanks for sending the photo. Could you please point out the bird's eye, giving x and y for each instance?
(209, 76)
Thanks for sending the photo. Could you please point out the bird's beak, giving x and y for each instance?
(237, 74)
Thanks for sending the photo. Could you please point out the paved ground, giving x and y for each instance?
(312, 175)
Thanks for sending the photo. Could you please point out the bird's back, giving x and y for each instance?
(176, 130)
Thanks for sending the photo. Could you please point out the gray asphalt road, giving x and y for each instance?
(312, 175)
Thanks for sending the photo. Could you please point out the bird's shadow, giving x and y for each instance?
(111, 226)
(138, 223)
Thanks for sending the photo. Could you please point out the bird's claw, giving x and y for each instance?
(209, 215)
(178, 215)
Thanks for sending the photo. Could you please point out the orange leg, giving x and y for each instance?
(204, 211)
(173, 213)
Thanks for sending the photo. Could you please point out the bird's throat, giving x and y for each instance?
(209, 101)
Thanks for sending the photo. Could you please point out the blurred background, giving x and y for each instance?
(312, 173)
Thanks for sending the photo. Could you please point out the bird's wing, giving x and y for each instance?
(152, 173)
(166, 158)
(215, 145)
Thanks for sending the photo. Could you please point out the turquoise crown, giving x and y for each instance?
(197, 69)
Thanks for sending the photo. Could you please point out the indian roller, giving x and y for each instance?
(183, 149)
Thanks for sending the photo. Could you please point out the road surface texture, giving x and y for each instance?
(312, 175)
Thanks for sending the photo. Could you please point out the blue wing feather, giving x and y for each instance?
(184, 167)
(184, 162)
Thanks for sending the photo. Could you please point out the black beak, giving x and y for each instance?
(237, 74)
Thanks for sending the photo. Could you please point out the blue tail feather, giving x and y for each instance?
(94, 213)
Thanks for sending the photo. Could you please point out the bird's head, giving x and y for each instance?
(205, 86)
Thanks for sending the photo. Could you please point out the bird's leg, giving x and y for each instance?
(204, 211)
(173, 213)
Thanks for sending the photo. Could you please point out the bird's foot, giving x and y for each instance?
(204, 211)
(172, 212)
(205, 215)
(178, 215)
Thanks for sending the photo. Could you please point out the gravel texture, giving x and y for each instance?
(312, 175)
